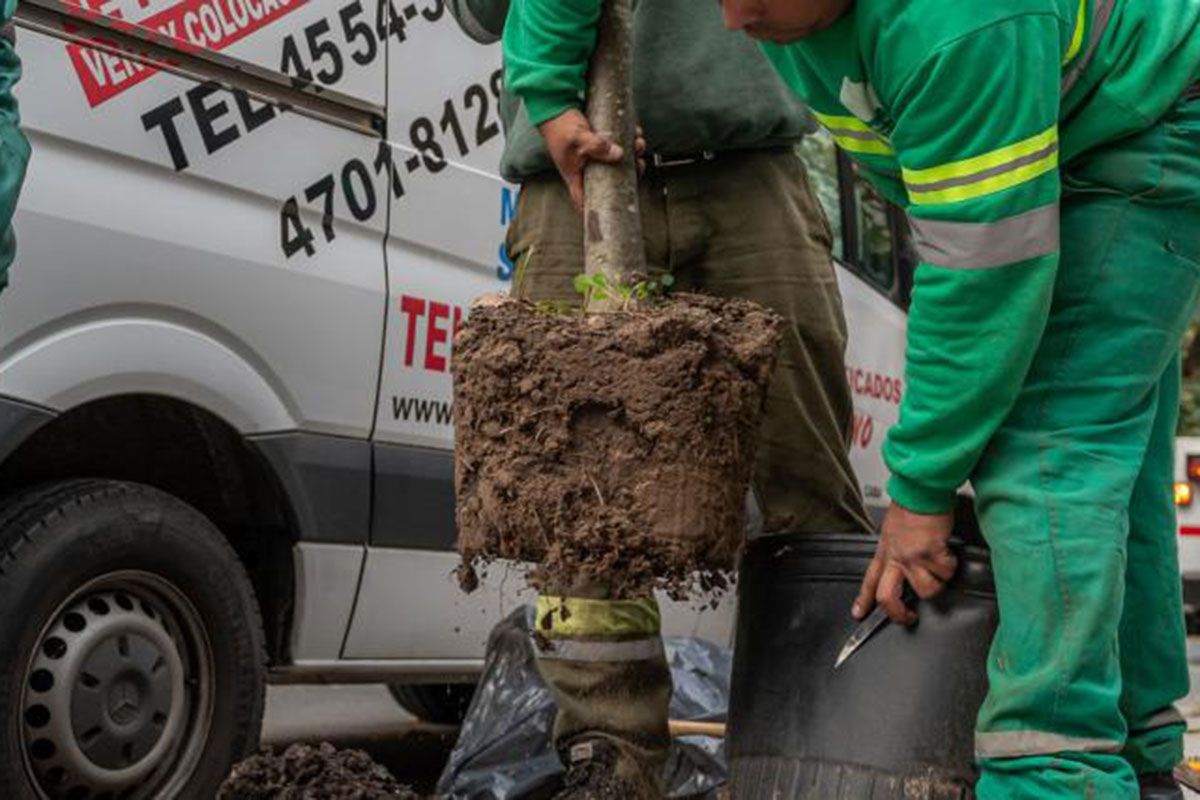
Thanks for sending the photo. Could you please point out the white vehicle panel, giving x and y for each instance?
(1188, 515)
(874, 368)
(411, 603)
(445, 244)
(199, 247)
(325, 576)
(443, 94)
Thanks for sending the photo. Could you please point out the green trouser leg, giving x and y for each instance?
(1074, 490)
(604, 662)
(743, 225)
(1153, 638)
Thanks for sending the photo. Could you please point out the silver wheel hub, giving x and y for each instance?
(108, 702)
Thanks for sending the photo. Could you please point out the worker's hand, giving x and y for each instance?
(915, 548)
(572, 144)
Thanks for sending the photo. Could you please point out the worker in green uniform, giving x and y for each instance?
(727, 208)
(1048, 155)
(14, 148)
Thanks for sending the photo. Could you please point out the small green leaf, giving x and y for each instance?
(667, 281)
(599, 280)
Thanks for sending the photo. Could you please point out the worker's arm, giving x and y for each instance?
(482, 20)
(977, 139)
(978, 142)
(547, 44)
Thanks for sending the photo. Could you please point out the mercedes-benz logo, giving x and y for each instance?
(124, 703)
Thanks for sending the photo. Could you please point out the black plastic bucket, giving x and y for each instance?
(896, 721)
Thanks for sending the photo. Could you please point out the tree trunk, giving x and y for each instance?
(613, 229)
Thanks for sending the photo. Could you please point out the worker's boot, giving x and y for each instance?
(605, 665)
(594, 772)
(1159, 786)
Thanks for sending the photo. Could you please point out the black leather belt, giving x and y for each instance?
(667, 161)
(660, 161)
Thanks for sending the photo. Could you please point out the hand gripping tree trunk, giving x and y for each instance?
(613, 229)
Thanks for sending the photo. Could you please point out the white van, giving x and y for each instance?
(1187, 507)
(249, 230)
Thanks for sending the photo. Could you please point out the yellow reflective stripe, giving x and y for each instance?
(871, 147)
(1077, 38)
(571, 617)
(971, 191)
(987, 161)
(849, 123)
(855, 136)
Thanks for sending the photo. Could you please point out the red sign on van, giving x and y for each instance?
(210, 24)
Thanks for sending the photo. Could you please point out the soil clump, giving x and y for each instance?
(610, 449)
(312, 772)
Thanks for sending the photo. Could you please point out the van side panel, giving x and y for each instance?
(181, 210)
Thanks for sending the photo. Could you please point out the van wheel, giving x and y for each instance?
(441, 703)
(131, 648)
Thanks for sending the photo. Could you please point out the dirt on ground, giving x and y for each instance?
(312, 772)
(610, 449)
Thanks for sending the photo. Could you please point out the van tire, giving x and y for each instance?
(129, 628)
(440, 703)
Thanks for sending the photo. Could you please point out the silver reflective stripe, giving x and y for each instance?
(470, 23)
(577, 650)
(1168, 716)
(1101, 14)
(984, 245)
(1014, 744)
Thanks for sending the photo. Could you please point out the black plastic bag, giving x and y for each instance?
(504, 751)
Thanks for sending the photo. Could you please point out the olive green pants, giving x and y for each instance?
(743, 225)
(1074, 490)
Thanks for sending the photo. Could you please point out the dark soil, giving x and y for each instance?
(312, 772)
(610, 449)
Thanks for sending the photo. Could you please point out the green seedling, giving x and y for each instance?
(555, 307)
(598, 287)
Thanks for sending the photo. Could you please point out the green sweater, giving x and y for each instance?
(962, 113)
(696, 86)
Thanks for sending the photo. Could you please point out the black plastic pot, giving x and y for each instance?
(896, 721)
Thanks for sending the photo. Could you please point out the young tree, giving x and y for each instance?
(612, 224)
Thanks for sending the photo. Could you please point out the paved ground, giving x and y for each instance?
(368, 718)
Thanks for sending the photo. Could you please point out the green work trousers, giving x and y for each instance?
(1075, 490)
(742, 225)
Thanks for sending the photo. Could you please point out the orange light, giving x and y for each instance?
(1193, 468)
(1183, 494)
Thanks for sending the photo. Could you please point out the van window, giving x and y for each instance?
(819, 154)
(873, 257)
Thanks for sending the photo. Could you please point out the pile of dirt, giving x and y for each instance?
(312, 772)
(610, 449)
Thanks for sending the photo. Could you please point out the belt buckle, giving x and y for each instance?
(657, 160)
